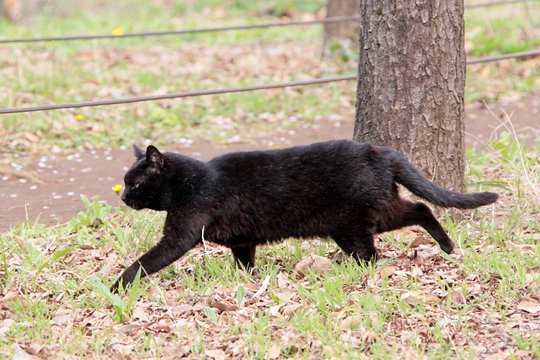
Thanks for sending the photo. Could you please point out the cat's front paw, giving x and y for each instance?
(114, 289)
(447, 247)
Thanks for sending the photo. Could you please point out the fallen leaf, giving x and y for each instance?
(140, 313)
(281, 281)
(217, 302)
(274, 352)
(108, 247)
(175, 351)
(425, 251)
(274, 310)
(420, 240)
(529, 306)
(127, 328)
(60, 320)
(5, 326)
(288, 337)
(215, 354)
(251, 287)
(20, 354)
(32, 349)
(457, 297)
(429, 298)
(164, 325)
(388, 271)
(414, 298)
(290, 309)
(351, 323)
(411, 298)
(315, 263)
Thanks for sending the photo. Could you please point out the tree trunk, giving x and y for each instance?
(20, 9)
(411, 82)
(336, 32)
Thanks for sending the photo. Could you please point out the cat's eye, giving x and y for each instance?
(136, 185)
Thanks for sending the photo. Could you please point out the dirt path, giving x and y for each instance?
(94, 173)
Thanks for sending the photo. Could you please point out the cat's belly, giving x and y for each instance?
(232, 233)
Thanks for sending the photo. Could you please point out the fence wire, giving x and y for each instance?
(329, 20)
(187, 94)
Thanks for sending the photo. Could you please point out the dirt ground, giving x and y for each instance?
(51, 193)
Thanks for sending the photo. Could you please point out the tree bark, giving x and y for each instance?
(334, 32)
(411, 83)
(20, 9)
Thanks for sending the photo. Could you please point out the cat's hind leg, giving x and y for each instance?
(408, 213)
(244, 256)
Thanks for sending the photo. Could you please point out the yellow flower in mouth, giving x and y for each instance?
(79, 117)
(117, 31)
(117, 189)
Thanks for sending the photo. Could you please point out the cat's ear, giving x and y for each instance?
(138, 152)
(154, 158)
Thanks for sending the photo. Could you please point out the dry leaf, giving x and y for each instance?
(108, 247)
(32, 349)
(351, 323)
(274, 352)
(5, 326)
(529, 306)
(387, 271)
(288, 337)
(164, 325)
(274, 310)
(315, 263)
(251, 287)
(20, 354)
(429, 298)
(457, 297)
(290, 309)
(215, 354)
(217, 302)
(60, 320)
(427, 251)
(140, 313)
(127, 328)
(420, 240)
(281, 281)
(411, 298)
(414, 298)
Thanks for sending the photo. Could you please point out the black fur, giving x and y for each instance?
(342, 189)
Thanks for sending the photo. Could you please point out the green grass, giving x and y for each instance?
(54, 286)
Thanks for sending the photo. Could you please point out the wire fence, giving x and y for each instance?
(495, 3)
(328, 20)
(187, 94)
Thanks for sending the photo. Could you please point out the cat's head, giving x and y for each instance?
(146, 182)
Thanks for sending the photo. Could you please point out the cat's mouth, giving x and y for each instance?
(133, 205)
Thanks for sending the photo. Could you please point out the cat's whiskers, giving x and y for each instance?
(204, 241)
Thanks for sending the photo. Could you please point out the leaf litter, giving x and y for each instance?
(445, 295)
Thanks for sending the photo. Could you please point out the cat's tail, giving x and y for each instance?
(407, 175)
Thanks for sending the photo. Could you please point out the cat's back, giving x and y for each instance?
(292, 163)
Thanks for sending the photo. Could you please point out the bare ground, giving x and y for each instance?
(47, 189)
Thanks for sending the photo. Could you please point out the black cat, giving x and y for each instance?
(342, 189)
